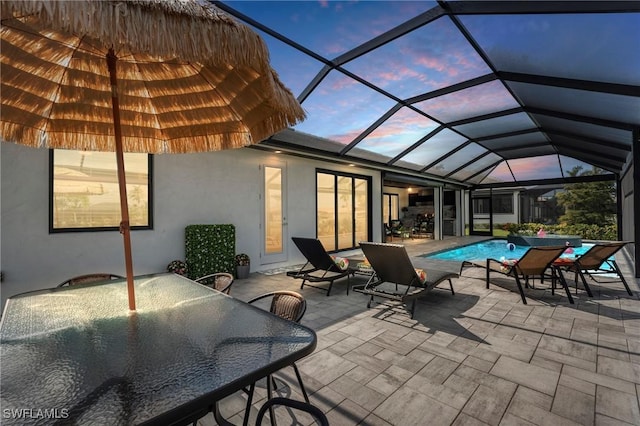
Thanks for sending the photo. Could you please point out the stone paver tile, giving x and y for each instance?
(608, 421)
(577, 384)
(442, 393)
(520, 351)
(489, 380)
(619, 353)
(325, 366)
(362, 374)
(326, 399)
(584, 336)
(387, 383)
(534, 397)
(546, 363)
(372, 363)
(487, 405)
(537, 415)
(575, 405)
(407, 407)
(463, 344)
(486, 354)
(346, 345)
(466, 420)
(478, 363)
(617, 368)
(368, 348)
(394, 344)
(511, 420)
(442, 351)
(462, 386)
(563, 346)
(347, 413)
(421, 356)
(600, 379)
(566, 359)
(373, 420)
(529, 375)
(364, 396)
(365, 329)
(438, 370)
(408, 363)
(617, 404)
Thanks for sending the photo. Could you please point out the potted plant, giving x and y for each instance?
(242, 265)
(177, 267)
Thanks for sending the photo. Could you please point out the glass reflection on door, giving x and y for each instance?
(274, 218)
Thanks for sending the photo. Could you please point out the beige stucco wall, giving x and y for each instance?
(217, 187)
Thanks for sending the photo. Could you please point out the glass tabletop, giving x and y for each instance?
(78, 354)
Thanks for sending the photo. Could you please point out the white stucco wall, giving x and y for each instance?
(212, 188)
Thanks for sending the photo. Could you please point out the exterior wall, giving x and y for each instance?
(203, 188)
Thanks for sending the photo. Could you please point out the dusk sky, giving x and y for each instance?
(433, 57)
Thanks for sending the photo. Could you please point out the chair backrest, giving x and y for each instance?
(220, 281)
(537, 259)
(599, 253)
(391, 263)
(313, 250)
(285, 304)
(89, 278)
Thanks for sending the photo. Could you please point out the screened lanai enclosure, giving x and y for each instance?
(462, 95)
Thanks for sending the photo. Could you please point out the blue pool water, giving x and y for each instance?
(494, 249)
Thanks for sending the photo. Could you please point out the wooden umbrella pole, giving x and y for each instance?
(125, 229)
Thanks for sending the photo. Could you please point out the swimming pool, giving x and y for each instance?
(494, 249)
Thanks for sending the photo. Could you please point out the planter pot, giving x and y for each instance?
(242, 271)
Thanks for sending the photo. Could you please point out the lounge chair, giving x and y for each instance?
(535, 262)
(395, 277)
(592, 263)
(320, 266)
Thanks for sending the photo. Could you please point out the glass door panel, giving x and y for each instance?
(326, 210)
(274, 219)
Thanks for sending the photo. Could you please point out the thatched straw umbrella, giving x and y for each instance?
(135, 76)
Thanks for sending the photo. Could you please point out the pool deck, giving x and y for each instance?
(479, 357)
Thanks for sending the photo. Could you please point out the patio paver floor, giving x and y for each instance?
(474, 358)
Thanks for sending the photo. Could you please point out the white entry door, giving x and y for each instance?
(274, 213)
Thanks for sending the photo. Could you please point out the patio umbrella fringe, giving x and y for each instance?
(126, 24)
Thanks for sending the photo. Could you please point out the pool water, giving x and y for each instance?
(494, 249)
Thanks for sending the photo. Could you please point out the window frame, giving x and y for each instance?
(57, 230)
(336, 175)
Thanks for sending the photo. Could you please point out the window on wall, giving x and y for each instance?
(502, 204)
(84, 194)
(343, 209)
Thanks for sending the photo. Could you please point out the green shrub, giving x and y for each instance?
(210, 249)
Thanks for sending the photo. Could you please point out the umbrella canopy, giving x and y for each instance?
(135, 76)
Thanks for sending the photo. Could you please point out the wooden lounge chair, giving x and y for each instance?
(535, 262)
(592, 263)
(320, 266)
(392, 265)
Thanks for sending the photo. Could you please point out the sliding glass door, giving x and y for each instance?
(343, 209)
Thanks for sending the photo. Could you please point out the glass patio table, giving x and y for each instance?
(76, 354)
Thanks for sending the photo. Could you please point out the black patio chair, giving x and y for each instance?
(220, 281)
(392, 265)
(290, 306)
(320, 267)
